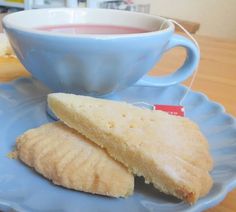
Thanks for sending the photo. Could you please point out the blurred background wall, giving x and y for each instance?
(217, 18)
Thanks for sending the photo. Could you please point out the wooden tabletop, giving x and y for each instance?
(216, 78)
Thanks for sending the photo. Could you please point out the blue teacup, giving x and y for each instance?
(93, 63)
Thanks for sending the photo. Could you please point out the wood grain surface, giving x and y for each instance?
(216, 78)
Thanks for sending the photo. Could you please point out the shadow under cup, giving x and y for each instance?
(92, 63)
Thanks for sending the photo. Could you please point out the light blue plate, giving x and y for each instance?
(22, 106)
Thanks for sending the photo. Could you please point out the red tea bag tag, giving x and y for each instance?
(175, 110)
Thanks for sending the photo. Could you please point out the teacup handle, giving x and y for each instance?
(185, 71)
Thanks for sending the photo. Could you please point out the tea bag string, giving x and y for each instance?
(150, 106)
(196, 44)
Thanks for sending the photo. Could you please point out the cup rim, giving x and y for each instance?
(8, 23)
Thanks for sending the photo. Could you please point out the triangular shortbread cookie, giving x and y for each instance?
(169, 151)
(67, 158)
